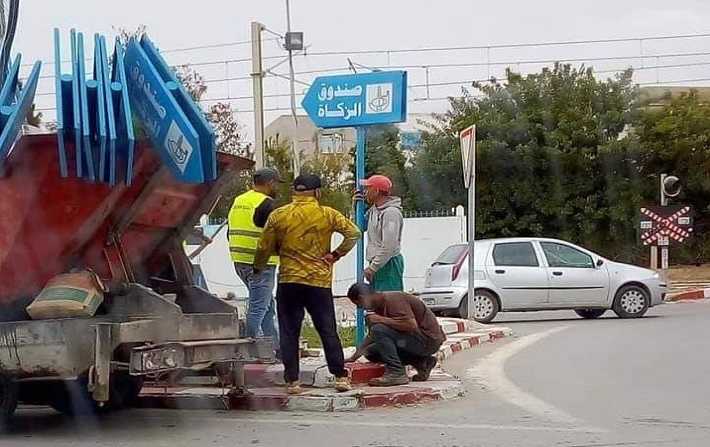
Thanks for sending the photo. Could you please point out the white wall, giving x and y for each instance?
(423, 239)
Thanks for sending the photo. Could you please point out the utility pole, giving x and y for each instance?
(292, 82)
(257, 74)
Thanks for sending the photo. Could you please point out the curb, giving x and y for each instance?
(268, 395)
(698, 294)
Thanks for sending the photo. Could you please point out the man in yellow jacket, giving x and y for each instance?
(300, 233)
(247, 218)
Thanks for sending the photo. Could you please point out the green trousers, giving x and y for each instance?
(390, 278)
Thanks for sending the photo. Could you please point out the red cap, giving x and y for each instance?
(379, 182)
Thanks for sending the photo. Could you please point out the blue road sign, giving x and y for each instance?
(101, 65)
(124, 118)
(63, 101)
(76, 105)
(163, 120)
(15, 105)
(193, 112)
(358, 99)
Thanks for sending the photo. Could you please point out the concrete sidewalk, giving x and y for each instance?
(266, 390)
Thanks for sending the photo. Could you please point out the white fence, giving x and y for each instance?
(423, 239)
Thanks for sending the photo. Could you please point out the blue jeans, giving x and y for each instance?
(262, 308)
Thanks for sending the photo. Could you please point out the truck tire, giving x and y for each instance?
(74, 398)
(8, 400)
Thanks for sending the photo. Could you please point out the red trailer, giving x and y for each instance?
(153, 320)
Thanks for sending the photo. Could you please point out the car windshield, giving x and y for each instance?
(451, 255)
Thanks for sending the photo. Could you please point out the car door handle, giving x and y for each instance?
(500, 272)
(557, 273)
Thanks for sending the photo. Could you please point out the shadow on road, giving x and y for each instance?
(42, 423)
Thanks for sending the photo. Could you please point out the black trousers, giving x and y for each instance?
(397, 349)
(292, 300)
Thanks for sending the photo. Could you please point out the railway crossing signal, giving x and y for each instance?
(661, 224)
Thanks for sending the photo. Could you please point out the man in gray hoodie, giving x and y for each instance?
(385, 269)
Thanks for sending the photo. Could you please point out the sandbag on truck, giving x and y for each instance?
(69, 295)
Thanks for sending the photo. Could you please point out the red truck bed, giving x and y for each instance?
(49, 224)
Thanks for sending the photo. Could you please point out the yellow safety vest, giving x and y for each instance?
(243, 234)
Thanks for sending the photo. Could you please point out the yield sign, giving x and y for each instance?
(660, 224)
(467, 141)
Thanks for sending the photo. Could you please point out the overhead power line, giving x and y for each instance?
(441, 98)
(512, 45)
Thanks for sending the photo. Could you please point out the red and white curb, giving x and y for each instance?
(267, 393)
(698, 294)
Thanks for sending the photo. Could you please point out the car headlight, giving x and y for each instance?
(656, 276)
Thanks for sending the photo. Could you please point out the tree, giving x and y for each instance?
(675, 139)
(384, 156)
(552, 158)
(192, 80)
(228, 130)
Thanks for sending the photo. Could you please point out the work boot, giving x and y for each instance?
(294, 387)
(342, 384)
(424, 369)
(390, 379)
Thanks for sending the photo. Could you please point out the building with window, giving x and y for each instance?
(309, 139)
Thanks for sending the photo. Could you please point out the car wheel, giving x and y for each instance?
(590, 314)
(8, 399)
(485, 306)
(631, 302)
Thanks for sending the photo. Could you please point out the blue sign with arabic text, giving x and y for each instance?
(163, 120)
(357, 100)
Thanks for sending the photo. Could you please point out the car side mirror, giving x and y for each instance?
(600, 262)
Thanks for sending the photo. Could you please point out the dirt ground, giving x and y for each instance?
(689, 273)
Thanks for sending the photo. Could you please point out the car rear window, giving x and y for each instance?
(451, 255)
(515, 254)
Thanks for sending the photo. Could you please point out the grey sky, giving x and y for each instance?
(385, 24)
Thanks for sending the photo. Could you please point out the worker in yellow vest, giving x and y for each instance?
(247, 219)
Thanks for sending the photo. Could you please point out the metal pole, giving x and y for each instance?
(360, 220)
(654, 257)
(292, 86)
(471, 240)
(664, 202)
(257, 74)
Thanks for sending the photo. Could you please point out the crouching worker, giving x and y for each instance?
(402, 331)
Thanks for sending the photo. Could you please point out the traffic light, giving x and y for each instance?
(670, 187)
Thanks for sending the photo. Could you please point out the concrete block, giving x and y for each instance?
(346, 403)
(309, 403)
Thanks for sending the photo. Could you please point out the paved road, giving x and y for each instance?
(561, 381)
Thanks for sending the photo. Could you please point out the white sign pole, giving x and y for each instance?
(467, 139)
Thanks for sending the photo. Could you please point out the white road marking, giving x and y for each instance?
(490, 372)
(342, 422)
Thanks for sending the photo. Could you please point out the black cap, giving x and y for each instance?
(306, 182)
(264, 175)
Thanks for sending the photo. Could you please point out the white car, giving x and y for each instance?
(526, 274)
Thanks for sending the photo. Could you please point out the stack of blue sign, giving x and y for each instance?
(93, 112)
(15, 103)
(171, 119)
